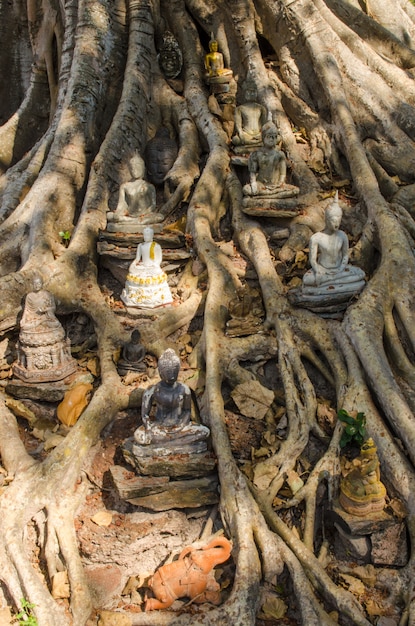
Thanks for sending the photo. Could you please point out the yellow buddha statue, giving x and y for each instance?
(361, 490)
(214, 64)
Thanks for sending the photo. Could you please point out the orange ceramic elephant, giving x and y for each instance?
(191, 575)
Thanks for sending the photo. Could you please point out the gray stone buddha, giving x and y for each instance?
(268, 168)
(160, 154)
(132, 355)
(250, 117)
(170, 56)
(166, 415)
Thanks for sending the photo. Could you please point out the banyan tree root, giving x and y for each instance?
(344, 84)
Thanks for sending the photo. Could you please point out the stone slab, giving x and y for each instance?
(390, 546)
(166, 239)
(354, 525)
(47, 391)
(174, 465)
(129, 485)
(282, 212)
(352, 547)
(127, 253)
(182, 494)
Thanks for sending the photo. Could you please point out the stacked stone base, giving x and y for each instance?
(178, 480)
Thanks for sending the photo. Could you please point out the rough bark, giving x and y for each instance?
(85, 95)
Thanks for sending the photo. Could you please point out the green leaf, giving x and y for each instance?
(351, 430)
(345, 417)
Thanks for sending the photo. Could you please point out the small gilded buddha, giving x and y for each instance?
(214, 65)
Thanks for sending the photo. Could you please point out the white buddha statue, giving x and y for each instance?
(330, 271)
(146, 285)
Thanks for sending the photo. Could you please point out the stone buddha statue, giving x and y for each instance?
(132, 355)
(146, 285)
(361, 490)
(169, 426)
(44, 354)
(268, 168)
(331, 282)
(136, 203)
(160, 154)
(249, 120)
(329, 255)
(214, 65)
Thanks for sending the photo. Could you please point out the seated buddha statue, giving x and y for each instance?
(169, 425)
(268, 168)
(132, 355)
(137, 200)
(329, 255)
(361, 490)
(214, 65)
(249, 120)
(146, 285)
(44, 353)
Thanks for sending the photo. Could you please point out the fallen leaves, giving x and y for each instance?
(102, 518)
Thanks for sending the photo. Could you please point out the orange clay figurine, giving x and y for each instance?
(191, 576)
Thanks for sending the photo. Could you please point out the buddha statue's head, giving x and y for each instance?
(250, 90)
(137, 167)
(170, 56)
(333, 214)
(37, 282)
(270, 134)
(169, 366)
(213, 45)
(368, 448)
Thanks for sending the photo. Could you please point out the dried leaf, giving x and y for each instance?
(301, 260)
(60, 585)
(273, 607)
(263, 451)
(353, 584)
(134, 583)
(294, 481)
(102, 518)
(20, 410)
(398, 508)
(3, 348)
(373, 607)
(263, 475)
(93, 366)
(132, 377)
(367, 573)
(326, 416)
(252, 399)
(179, 225)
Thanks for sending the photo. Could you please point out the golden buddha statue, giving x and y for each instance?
(214, 65)
(361, 490)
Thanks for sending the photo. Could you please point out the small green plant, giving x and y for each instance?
(65, 235)
(26, 617)
(354, 430)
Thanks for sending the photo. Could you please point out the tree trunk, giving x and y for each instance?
(82, 92)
